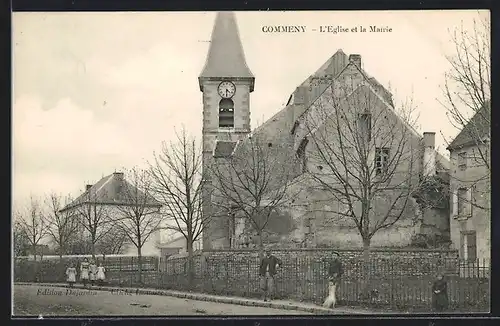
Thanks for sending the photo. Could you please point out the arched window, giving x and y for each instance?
(226, 113)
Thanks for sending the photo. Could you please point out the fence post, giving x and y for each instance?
(392, 298)
(120, 271)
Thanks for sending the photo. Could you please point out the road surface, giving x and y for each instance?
(45, 301)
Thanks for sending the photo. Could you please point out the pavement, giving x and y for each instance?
(119, 293)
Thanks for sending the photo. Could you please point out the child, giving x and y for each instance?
(440, 294)
(93, 272)
(335, 271)
(100, 274)
(71, 275)
(84, 272)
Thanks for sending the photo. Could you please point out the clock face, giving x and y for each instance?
(226, 89)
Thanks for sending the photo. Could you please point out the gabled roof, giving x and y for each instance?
(330, 69)
(111, 190)
(224, 149)
(226, 58)
(476, 129)
(170, 242)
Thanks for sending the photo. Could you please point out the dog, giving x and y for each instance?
(331, 300)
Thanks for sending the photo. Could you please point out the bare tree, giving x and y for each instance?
(254, 183)
(93, 216)
(366, 155)
(21, 242)
(113, 242)
(62, 226)
(33, 225)
(467, 87)
(177, 183)
(139, 210)
(467, 93)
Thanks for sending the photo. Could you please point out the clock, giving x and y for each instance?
(226, 89)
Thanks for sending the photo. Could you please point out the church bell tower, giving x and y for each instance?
(226, 83)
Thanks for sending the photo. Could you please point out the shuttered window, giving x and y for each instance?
(468, 246)
(454, 204)
(464, 202)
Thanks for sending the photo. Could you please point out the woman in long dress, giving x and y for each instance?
(93, 272)
(84, 272)
(440, 294)
(101, 276)
(71, 275)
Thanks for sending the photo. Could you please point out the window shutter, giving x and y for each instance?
(471, 200)
(469, 203)
(454, 204)
(462, 246)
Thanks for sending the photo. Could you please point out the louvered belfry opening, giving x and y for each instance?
(226, 113)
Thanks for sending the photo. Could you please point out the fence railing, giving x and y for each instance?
(399, 284)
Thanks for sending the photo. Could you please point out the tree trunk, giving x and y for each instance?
(61, 249)
(35, 263)
(190, 262)
(92, 246)
(261, 245)
(366, 277)
(139, 262)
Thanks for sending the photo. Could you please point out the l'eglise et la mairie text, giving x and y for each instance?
(284, 29)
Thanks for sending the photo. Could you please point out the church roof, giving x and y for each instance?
(111, 190)
(476, 129)
(331, 68)
(226, 58)
(224, 149)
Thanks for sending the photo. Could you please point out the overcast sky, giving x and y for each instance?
(96, 92)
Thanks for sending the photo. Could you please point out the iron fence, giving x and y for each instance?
(400, 284)
(54, 270)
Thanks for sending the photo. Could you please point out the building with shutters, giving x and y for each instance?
(227, 82)
(470, 186)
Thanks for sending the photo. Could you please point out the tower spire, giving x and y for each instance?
(226, 58)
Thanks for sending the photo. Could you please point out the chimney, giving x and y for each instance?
(118, 175)
(356, 58)
(87, 187)
(429, 143)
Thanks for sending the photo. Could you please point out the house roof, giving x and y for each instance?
(174, 240)
(226, 57)
(331, 69)
(112, 190)
(224, 149)
(476, 129)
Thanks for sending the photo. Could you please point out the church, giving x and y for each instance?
(316, 217)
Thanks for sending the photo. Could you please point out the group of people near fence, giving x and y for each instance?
(270, 264)
(89, 272)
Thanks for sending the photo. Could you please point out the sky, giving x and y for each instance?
(95, 93)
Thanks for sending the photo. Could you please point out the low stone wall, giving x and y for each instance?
(402, 262)
(401, 279)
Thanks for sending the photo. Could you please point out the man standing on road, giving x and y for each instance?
(267, 271)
